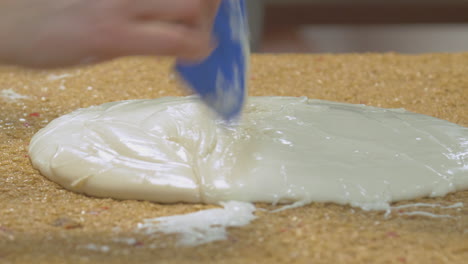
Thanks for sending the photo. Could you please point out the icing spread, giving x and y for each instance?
(283, 150)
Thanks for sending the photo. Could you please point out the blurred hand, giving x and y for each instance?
(56, 33)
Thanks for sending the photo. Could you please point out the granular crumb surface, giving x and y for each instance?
(40, 222)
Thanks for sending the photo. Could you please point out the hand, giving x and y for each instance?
(56, 33)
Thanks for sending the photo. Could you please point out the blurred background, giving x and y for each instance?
(406, 26)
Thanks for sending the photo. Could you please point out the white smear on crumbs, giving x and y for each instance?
(292, 206)
(94, 247)
(423, 213)
(12, 95)
(455, 205)
(124, 240)
(54, 77)
(203, 226)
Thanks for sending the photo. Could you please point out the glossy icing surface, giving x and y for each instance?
(284, 150)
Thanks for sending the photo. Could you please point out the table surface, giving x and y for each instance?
(40, 222)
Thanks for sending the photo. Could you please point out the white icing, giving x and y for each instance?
(203, 226)
(455, 205)
(423, 213)
(283, 150)
(12, 95)
(55, 77)
(126, 240)
(427, 214)
(94, 247)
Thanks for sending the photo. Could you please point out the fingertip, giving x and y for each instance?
(160, 39)
(199, 52)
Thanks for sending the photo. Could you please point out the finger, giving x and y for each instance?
(187, 11)
(159, 38)
(210, 8)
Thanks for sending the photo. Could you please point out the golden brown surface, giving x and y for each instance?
(42, 223)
